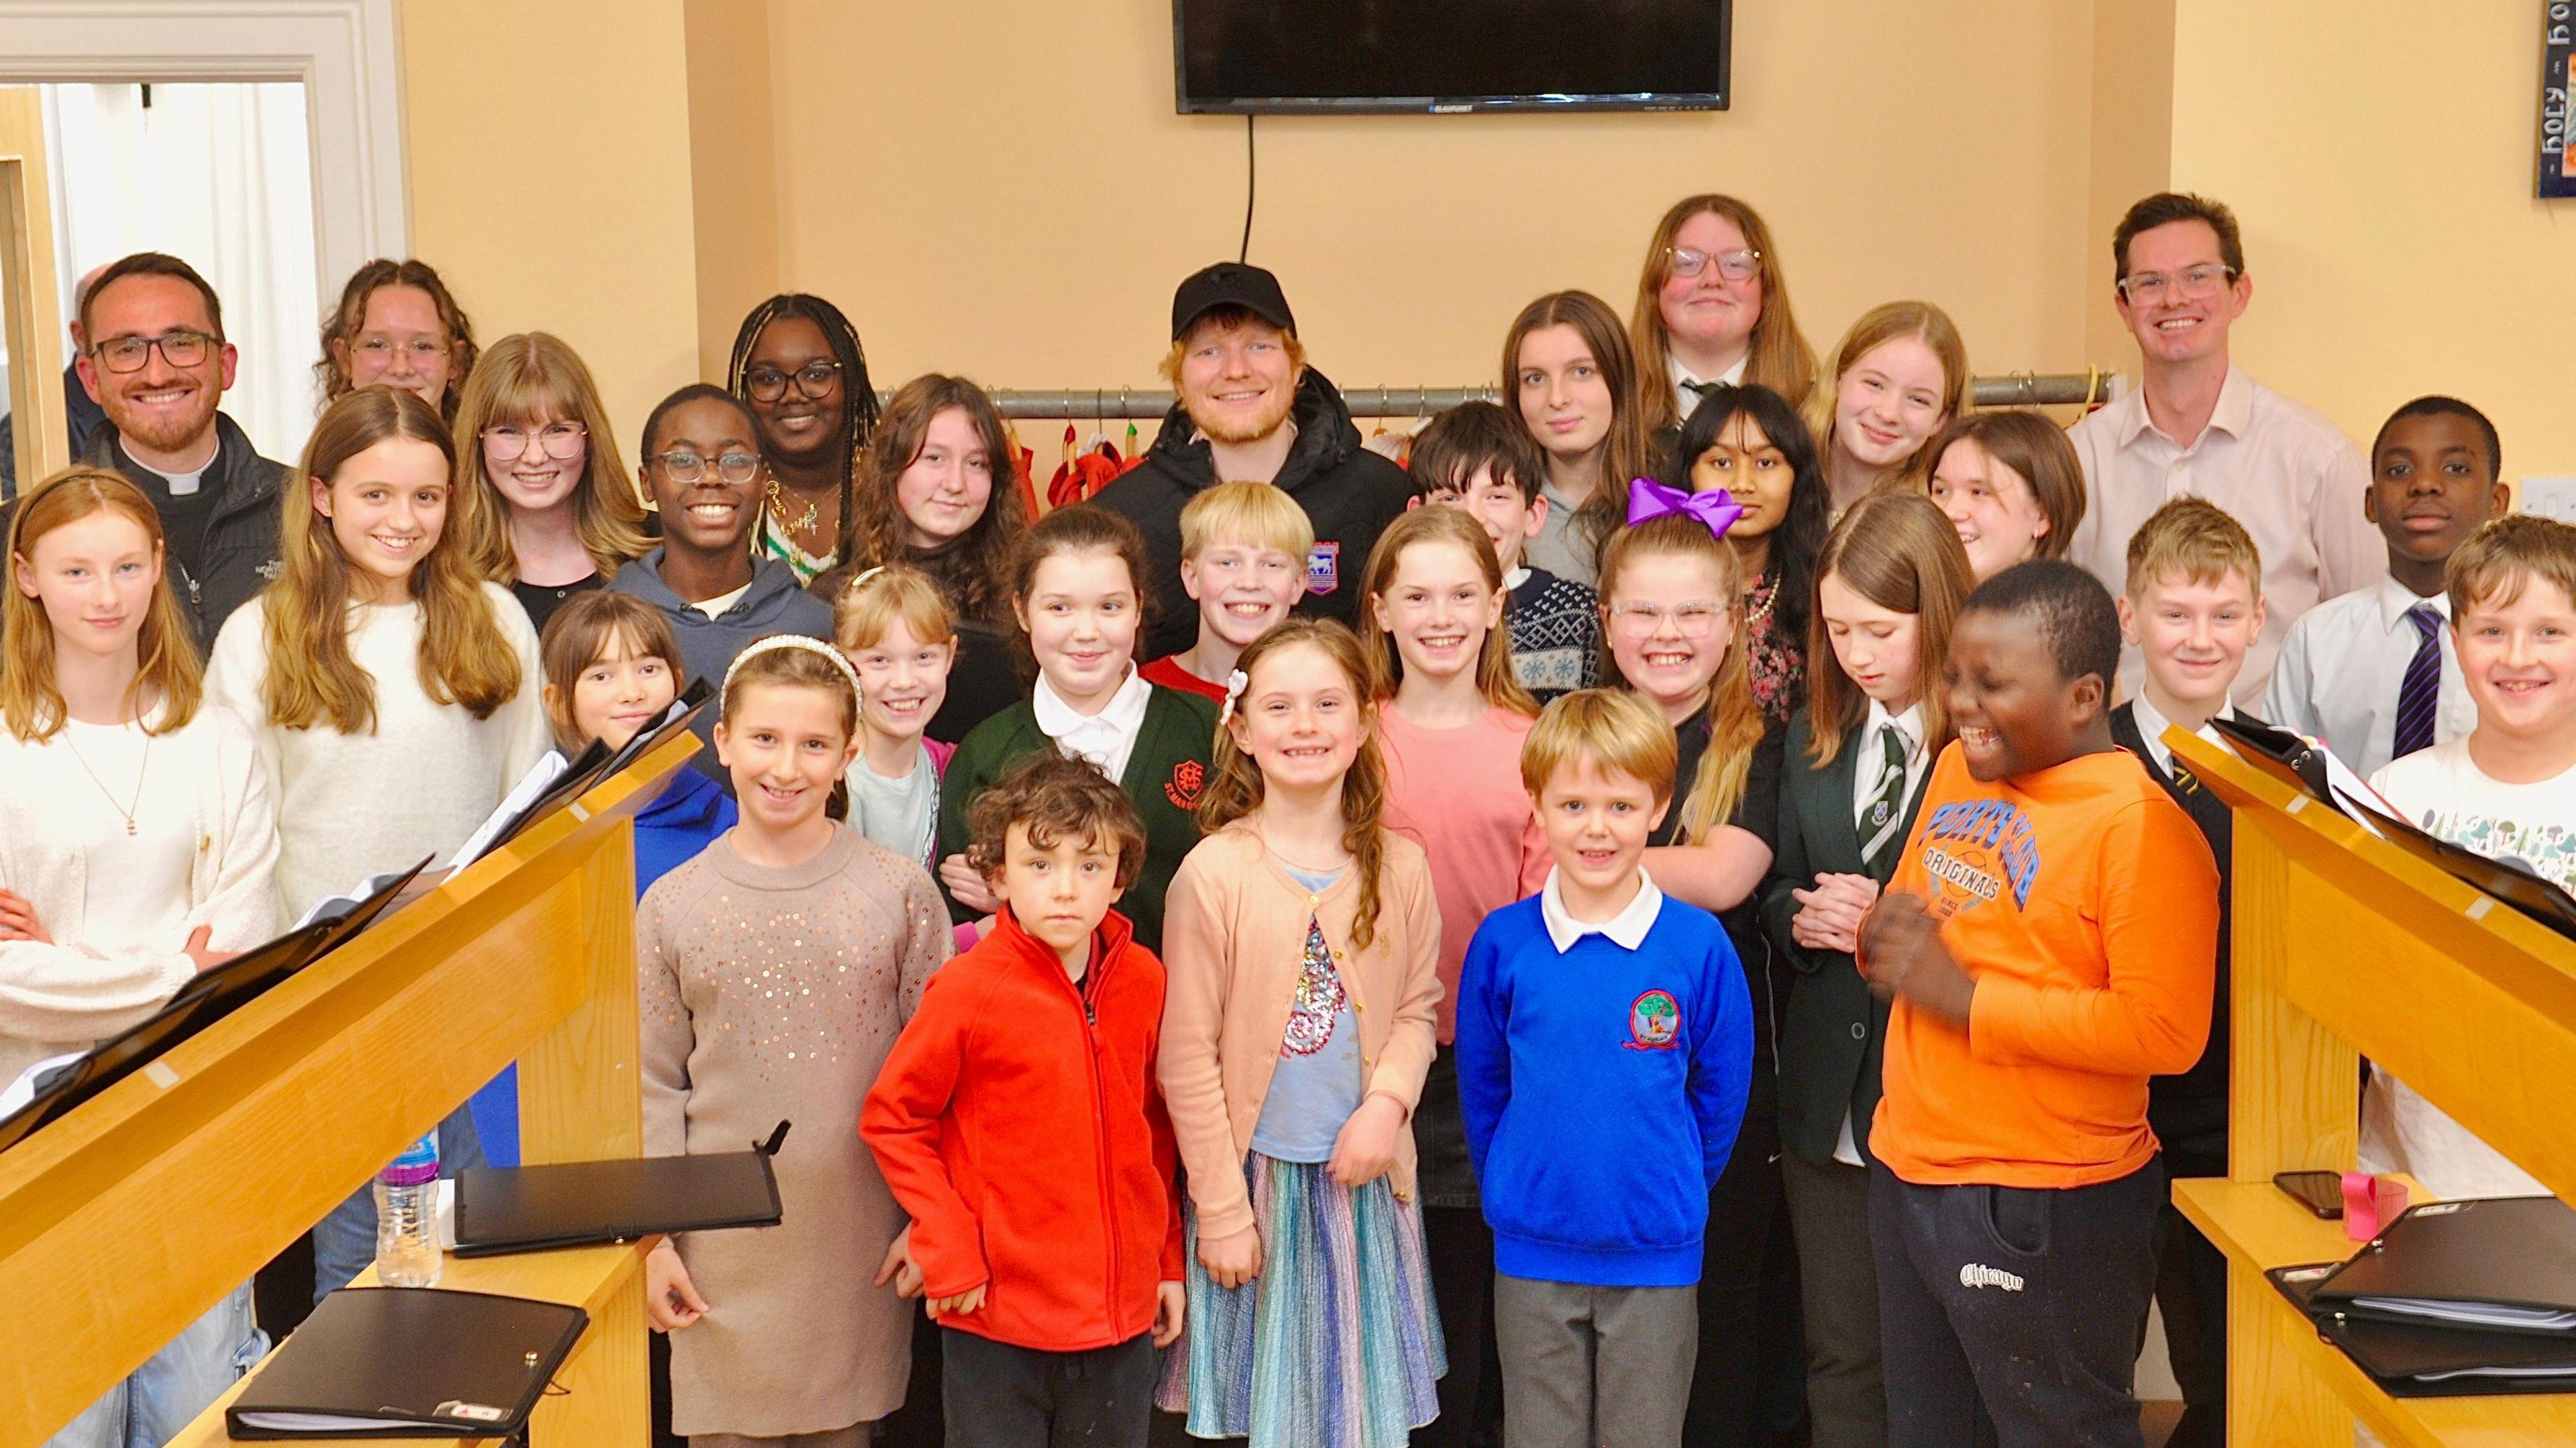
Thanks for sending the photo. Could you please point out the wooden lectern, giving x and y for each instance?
(129, 1218)
(2344, 943)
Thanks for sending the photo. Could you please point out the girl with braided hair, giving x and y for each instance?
(798, 365)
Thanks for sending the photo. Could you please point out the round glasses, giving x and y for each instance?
(1736, 266)
(688, 467)
(561, 441)
(132, 354)
(1645, 620)
(768, 384)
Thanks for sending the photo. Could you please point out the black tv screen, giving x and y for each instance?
(1450, 55)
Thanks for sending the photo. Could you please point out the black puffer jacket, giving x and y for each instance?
(1349, 493)
(241, 552)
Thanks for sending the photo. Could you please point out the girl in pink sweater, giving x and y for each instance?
(1301, 940)
(1451, 724)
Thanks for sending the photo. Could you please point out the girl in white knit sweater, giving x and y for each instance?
(395, 694)
(136, 845)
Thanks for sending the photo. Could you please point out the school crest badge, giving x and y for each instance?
(1324, 567)
(1182, 789)
(1654, 1021)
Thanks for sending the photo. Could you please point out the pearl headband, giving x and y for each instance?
(775, 642)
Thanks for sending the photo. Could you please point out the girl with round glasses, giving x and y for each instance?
(559, 513)
(798, 365)
(1713, 308)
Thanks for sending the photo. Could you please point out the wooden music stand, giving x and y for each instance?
(129, 1218)
(2344, 943)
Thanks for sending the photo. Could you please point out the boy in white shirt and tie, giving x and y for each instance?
(2374, 673)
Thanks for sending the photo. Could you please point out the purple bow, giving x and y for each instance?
(1648, 499)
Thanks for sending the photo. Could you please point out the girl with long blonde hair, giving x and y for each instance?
(1301, 940)
(1452, 717)
(556, 512)
(1899, 377)
(137, 842)
(1672, 593)
(394, 693)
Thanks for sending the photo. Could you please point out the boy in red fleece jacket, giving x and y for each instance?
(1027, 1073)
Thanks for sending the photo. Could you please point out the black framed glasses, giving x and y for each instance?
(688, 467)
(768, 384)
(183, 348)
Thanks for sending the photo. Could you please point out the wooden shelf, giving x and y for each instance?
(2344, 944)
(2259, 1227)
(595, 1279)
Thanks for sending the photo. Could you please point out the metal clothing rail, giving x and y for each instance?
(2016, 389)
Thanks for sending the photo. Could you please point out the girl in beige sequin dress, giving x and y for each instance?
(776, 970)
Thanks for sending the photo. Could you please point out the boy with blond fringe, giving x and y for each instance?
(2193, 607)
(2507, 790)
(1605, 1049)
(1243, 562)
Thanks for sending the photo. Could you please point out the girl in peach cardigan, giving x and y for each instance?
(1301, 940)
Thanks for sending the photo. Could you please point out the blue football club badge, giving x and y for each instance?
(1324, 568)
(1654, 1021)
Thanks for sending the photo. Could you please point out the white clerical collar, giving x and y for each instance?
(1627, 929)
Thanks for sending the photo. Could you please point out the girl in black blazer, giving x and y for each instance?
(1890, 580)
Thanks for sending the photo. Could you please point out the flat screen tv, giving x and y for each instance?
(1451, 55)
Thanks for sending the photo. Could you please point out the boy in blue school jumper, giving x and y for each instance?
(1605, 1045)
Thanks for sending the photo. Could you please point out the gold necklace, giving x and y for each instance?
(126, 810)
(778, 509)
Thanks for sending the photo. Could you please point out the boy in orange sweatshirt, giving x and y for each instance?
(2048, 941)
(1019, 1122)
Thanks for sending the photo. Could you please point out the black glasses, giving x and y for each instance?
(131, 354)
(688, 467)
(768, 384)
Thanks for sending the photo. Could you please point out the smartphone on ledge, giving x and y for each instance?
(2320, 1192)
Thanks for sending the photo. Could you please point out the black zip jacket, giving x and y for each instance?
(1349, 493)
(239, 552)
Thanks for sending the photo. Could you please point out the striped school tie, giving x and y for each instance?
(1882, 822)
(2421, 687)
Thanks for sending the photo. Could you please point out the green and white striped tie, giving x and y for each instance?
(1882, 822)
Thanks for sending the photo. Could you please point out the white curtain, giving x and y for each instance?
(220, 176)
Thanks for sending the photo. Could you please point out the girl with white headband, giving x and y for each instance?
(776, 970)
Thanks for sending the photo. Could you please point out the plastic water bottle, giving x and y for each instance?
(407, 1217)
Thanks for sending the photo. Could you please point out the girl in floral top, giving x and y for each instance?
(1750, 443)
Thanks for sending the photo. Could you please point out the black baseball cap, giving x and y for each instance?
(1230, 284)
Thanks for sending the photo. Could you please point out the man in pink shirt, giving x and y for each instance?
(2199, 425)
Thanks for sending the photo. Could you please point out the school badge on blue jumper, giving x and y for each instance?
(1324, 567)
(1654, 1021)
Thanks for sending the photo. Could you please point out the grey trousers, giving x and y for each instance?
(1605, 1367)
(1838, 1290)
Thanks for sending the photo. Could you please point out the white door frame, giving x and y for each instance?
(347, 54)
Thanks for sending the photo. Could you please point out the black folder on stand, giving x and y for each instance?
(408, 1362)
(2431, 1360)
(204, 1000)
(584, 1203)
(2494, 1264)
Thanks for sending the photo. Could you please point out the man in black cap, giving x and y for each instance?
(1250, 408)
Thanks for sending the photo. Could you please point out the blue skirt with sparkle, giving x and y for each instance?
(1336, 1344)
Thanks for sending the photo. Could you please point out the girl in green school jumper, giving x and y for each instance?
(1077, 596)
